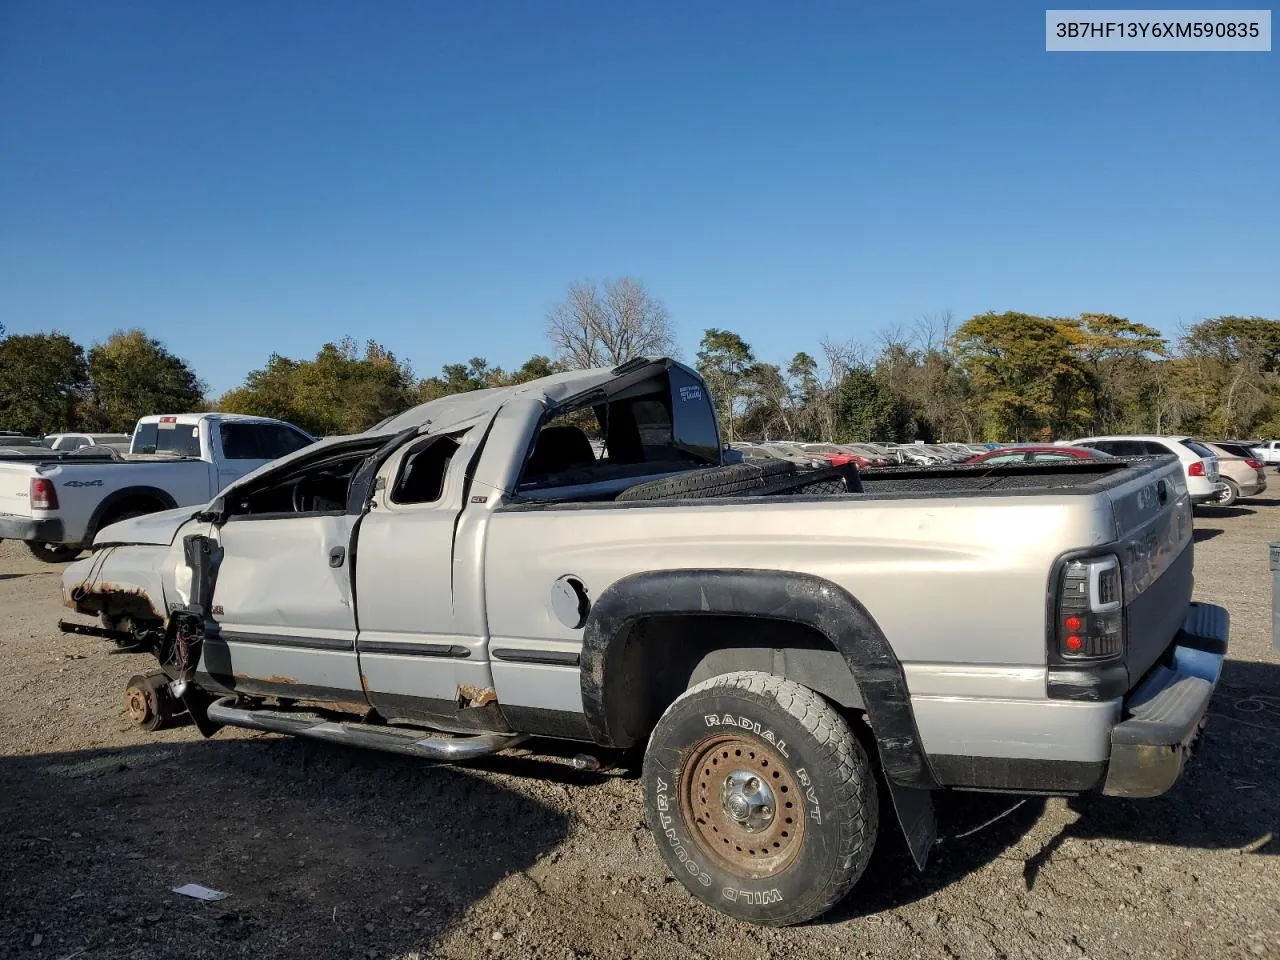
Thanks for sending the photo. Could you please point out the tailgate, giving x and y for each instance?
(1154, 544)
(15, 489)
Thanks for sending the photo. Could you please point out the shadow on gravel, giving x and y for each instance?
(1211, 512)
(324, 852)
(1201, 534)
(1225, 800)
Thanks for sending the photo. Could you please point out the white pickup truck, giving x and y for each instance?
(1268, 451)
(59, 501)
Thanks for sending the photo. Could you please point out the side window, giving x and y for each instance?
(1005, 458)
(259, 441)
(1045, 457)
(317, 488)
(424, 470)
(1199, 449)
(696, 432)
(1153, 448)
(1106, 446)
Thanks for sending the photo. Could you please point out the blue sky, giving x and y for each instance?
(240, 178)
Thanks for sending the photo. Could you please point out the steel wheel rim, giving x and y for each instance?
(723, 814)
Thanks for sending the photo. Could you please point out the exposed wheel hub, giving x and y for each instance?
(742, 805)
(747, 800)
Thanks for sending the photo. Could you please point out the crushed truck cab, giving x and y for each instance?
(473, 572)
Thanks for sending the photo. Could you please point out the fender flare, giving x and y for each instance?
(771, 594)
(115, 498)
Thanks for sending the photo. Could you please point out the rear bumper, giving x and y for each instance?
(1164, 714)
(13, 527)
(1199, 498)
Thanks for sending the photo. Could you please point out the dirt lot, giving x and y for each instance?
(334, 853)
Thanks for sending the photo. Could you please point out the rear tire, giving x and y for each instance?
(760, 798)
(53, 552)
(1229, 495)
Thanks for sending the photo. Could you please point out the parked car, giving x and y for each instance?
(74, 441)
(16, 445)
(792, 453)
(1242, 473)
(1268, 451)
(1199, 463)
(59, 500)
(509, 583)
(1037, 454)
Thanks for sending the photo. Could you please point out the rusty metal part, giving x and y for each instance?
(742, 805)
(89, 630)
(147, 702)
(391, 739)
(472, 696)
(138, 703)
(286, 681)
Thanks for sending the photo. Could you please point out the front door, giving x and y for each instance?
(282, 602)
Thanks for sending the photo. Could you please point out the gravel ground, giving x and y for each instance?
(333, 853)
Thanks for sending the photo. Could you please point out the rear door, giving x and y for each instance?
(422, 633)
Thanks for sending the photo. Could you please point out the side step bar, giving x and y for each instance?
(391, 739)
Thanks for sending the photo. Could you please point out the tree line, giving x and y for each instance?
(997, 376)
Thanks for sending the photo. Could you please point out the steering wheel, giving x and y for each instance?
(299, 496)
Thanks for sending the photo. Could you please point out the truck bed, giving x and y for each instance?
(1079, 477)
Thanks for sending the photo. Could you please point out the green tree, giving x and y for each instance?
(43, 377)
(343, 390)
(724, 359)
(868, 409)
(133, 375)
(1118, 357)
(1028, 380)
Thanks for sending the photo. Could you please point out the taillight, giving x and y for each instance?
(1090, 610)
(1196, 469)
(43, 496)
(1254, 463)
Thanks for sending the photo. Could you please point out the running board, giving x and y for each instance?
(390, 739)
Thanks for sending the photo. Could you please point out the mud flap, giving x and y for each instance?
(197, 703)
(914, 808)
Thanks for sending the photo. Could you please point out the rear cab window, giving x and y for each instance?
(168, 437)
(663, 425)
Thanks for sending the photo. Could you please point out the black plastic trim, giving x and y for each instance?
(557, 658)
(405, 648)
(281, 640)
(1018, 774)
(770, 594)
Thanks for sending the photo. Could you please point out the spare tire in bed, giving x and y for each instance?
(712, 482)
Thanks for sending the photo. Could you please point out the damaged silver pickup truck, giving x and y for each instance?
(472, 572)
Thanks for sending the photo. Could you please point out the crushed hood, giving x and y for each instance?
(155, 528)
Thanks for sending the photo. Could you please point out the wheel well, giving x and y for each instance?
(146, 499)
(664, 655)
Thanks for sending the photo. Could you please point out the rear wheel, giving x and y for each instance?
(53, 552)
(761, 799)
(1230, 494)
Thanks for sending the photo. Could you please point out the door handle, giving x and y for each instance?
(337, 555)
